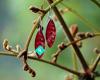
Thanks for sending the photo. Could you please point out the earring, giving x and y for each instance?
(39, 43)
(50, 33)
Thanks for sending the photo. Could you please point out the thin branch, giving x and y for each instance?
(67, 32)
(35, 9)
(58, 52)
(74, 61)
(97, 2)
(95, 34)
(95, 63)
(41, 60)
(32, 32)
(89, 24)
(52, 5)
(75, 65)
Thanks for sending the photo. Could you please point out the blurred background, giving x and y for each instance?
(16, 23)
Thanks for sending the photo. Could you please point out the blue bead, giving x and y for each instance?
(40, 50)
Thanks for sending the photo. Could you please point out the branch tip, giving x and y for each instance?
(36, 10)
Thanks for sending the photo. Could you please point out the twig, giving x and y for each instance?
(58, 52)
(35, 9)
(89, 24)
(95, 63)
(75, 65)
(41, 60)
(9, 48)
(97, 2)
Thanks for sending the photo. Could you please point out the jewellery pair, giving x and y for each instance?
(50, 36)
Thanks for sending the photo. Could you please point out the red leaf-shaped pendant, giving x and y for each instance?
(39, 43)
(50, 33)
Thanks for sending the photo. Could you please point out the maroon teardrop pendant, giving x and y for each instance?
(39, 41)
(50, 33)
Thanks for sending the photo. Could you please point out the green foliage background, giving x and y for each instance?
(16, 23)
